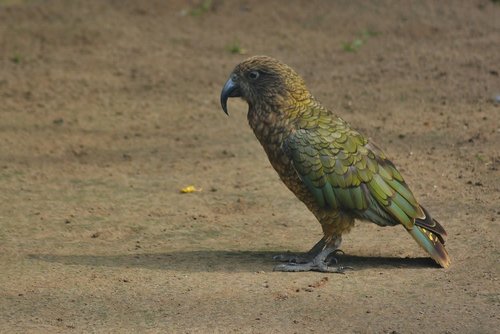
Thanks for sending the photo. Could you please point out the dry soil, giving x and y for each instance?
(108, 108)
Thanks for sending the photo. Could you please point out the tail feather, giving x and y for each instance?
(430, 235)
(432, 225)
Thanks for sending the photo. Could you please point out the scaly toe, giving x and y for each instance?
(326, 269)
(291, 258)
(293, 267)
(310, 266)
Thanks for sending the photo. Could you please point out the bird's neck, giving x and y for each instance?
(267, 123)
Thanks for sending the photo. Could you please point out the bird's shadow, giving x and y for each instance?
(221, 261)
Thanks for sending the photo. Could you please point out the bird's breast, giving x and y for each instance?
(272, 131)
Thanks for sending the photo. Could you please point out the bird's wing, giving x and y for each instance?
(343, 171)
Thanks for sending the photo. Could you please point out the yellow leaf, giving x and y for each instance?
(189, 189)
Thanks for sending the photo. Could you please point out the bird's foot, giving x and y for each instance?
(318, 263)
(293, 258)
(310, 266)
(303, 257)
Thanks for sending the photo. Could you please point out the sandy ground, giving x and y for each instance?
(108, 108)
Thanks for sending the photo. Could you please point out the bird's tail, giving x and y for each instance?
(430, 235)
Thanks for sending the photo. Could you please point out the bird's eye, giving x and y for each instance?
(253, 75)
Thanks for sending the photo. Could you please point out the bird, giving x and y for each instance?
(339, 174)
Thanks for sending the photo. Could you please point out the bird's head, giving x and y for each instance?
(263, 80)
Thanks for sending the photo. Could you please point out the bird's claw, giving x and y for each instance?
(310, 266)
(311, 263)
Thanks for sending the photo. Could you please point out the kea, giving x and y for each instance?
(339, 174)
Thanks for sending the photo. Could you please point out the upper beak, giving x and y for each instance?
(231, 89)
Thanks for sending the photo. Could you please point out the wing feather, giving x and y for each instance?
(346, 172)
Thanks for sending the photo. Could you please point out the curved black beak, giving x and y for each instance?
(231, 89)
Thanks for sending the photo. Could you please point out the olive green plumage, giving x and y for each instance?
(339, 174)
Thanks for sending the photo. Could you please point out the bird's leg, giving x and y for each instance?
(317, 263)
(302, 258)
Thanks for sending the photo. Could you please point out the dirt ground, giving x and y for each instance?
(108, 108)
